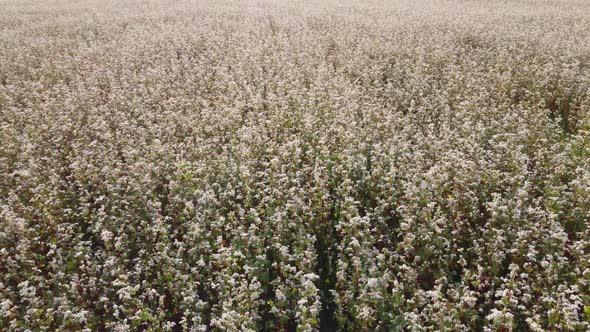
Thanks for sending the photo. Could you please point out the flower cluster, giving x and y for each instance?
(295, 166)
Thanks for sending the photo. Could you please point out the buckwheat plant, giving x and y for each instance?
(299, 165)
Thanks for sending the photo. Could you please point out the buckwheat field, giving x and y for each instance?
(295, 165)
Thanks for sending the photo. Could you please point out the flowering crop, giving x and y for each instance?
(295, 166)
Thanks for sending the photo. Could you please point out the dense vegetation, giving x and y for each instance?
(295, 166)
